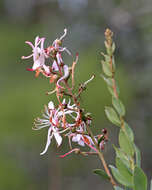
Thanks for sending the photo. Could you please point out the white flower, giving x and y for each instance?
(82, 140)
(52, 118)
(38, 54)
(79, 139)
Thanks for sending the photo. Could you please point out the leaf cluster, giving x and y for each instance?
(127, 170)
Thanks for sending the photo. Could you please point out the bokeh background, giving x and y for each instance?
(23, 95)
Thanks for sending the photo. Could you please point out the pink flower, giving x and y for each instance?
(38, 54)
(56, 45)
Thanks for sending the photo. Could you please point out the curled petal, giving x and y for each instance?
(48, 141)
(65, 33)
(66, 74)
(30, 44)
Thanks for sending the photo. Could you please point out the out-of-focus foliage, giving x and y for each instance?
(23, 95)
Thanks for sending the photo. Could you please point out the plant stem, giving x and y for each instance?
(115, 90)
(101, 157)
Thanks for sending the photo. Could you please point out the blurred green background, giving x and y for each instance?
(23, 95)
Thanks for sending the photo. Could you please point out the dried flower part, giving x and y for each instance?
(108, 36)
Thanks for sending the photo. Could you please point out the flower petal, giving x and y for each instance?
(81, 143)
(57, 136)
(37, 41)
(66, 74)
(55, 66)
(36, 65)
(46, 69)
(59, 58)
(76, 138)
(48, 141)
(65, 33)
(42, 43)
(27, 57)
(30, 44)
(51, 105)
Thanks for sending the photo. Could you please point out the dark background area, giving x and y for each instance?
(23, 95)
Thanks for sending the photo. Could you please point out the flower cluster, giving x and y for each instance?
(67, 119)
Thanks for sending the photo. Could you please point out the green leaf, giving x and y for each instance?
(112, 115)
(125, 144)
(138, 156)
(106, 68)
(120, 154)
(118, 176)
(107, 80)
(113, 64)
(124, 171)
(111, 90)
(113, 47)
(108, 48)
(109, 51)
(129, 132)
(117, 188)
(101, 173)
(107, 58)
(140, 179)
(118, 105)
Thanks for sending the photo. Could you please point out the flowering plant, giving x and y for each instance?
(69, 120)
